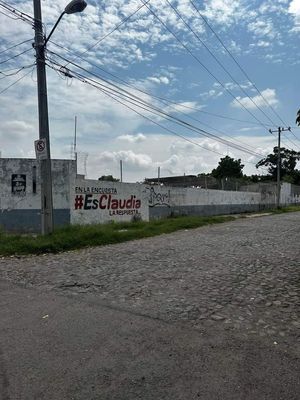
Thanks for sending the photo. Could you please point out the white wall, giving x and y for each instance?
(94, 201)
(170, 196)
(21, 171)
(286, 195)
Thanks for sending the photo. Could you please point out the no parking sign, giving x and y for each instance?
(40, 149)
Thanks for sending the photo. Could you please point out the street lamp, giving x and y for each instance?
(45, 164)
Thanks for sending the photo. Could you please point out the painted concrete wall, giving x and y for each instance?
(165, 201)
(20, 194)
(94, 201)
(81, 201)
(290, 194)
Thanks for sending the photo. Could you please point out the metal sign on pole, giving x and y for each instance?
(40, 149)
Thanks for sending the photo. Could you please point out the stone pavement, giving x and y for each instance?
(242, 277)
(56, 347)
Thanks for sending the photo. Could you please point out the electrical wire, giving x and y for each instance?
(218, 61)
(204, 66)
(235, 61)
(128, 97)
(241, 68)
(112, 96)
(124, 20)
(8, 16)
(15, 45)
(152, 95)
(161, 99)
(15, 56)
(14, 69)
(136, 98)
(20, 14)
(15, 82)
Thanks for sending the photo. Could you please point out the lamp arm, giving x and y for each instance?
(54, 27)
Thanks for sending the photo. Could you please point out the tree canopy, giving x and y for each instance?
(288, 169)
(228, 168)
(108, 178)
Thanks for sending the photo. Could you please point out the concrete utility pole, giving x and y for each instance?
(279, 130)
(75, 6)
(45, 165)
(121, 171)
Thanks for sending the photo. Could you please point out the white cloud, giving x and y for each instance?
(131, 159)
(263, 43)
(183, 107)
(224, 11)
(268, 94)
(132, 138)
(294, 7)
(159, 79)
(263, 28)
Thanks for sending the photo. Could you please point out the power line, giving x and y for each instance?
(20, 14)
(17, 71)
(152, 95)
(241, 68)
(13, 18)
(129, 97)
(115, 97)
(204, 66)
(15, 45)
(235, 61)
(15, 82)
(218, 61)
(136, 98)
(15, 56)
(161, 99)
(124, 20)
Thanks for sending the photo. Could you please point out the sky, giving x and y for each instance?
(170, 84)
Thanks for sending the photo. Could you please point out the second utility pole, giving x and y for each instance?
(279, 130)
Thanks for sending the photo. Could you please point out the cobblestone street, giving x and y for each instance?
(242, 277)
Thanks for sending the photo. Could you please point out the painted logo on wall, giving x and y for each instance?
(18, 184)
(158, 197)
(88, 199)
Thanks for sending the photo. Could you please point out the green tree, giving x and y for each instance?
(108, 178)
(228, 168)
(288, 170)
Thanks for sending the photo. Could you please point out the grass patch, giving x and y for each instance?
(79, 236)
(74, 237)
(282, 210)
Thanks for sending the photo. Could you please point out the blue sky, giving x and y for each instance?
(180, 68)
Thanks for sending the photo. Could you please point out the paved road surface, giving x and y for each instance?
(211, 313)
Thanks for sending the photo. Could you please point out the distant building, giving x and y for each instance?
(205, 182)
